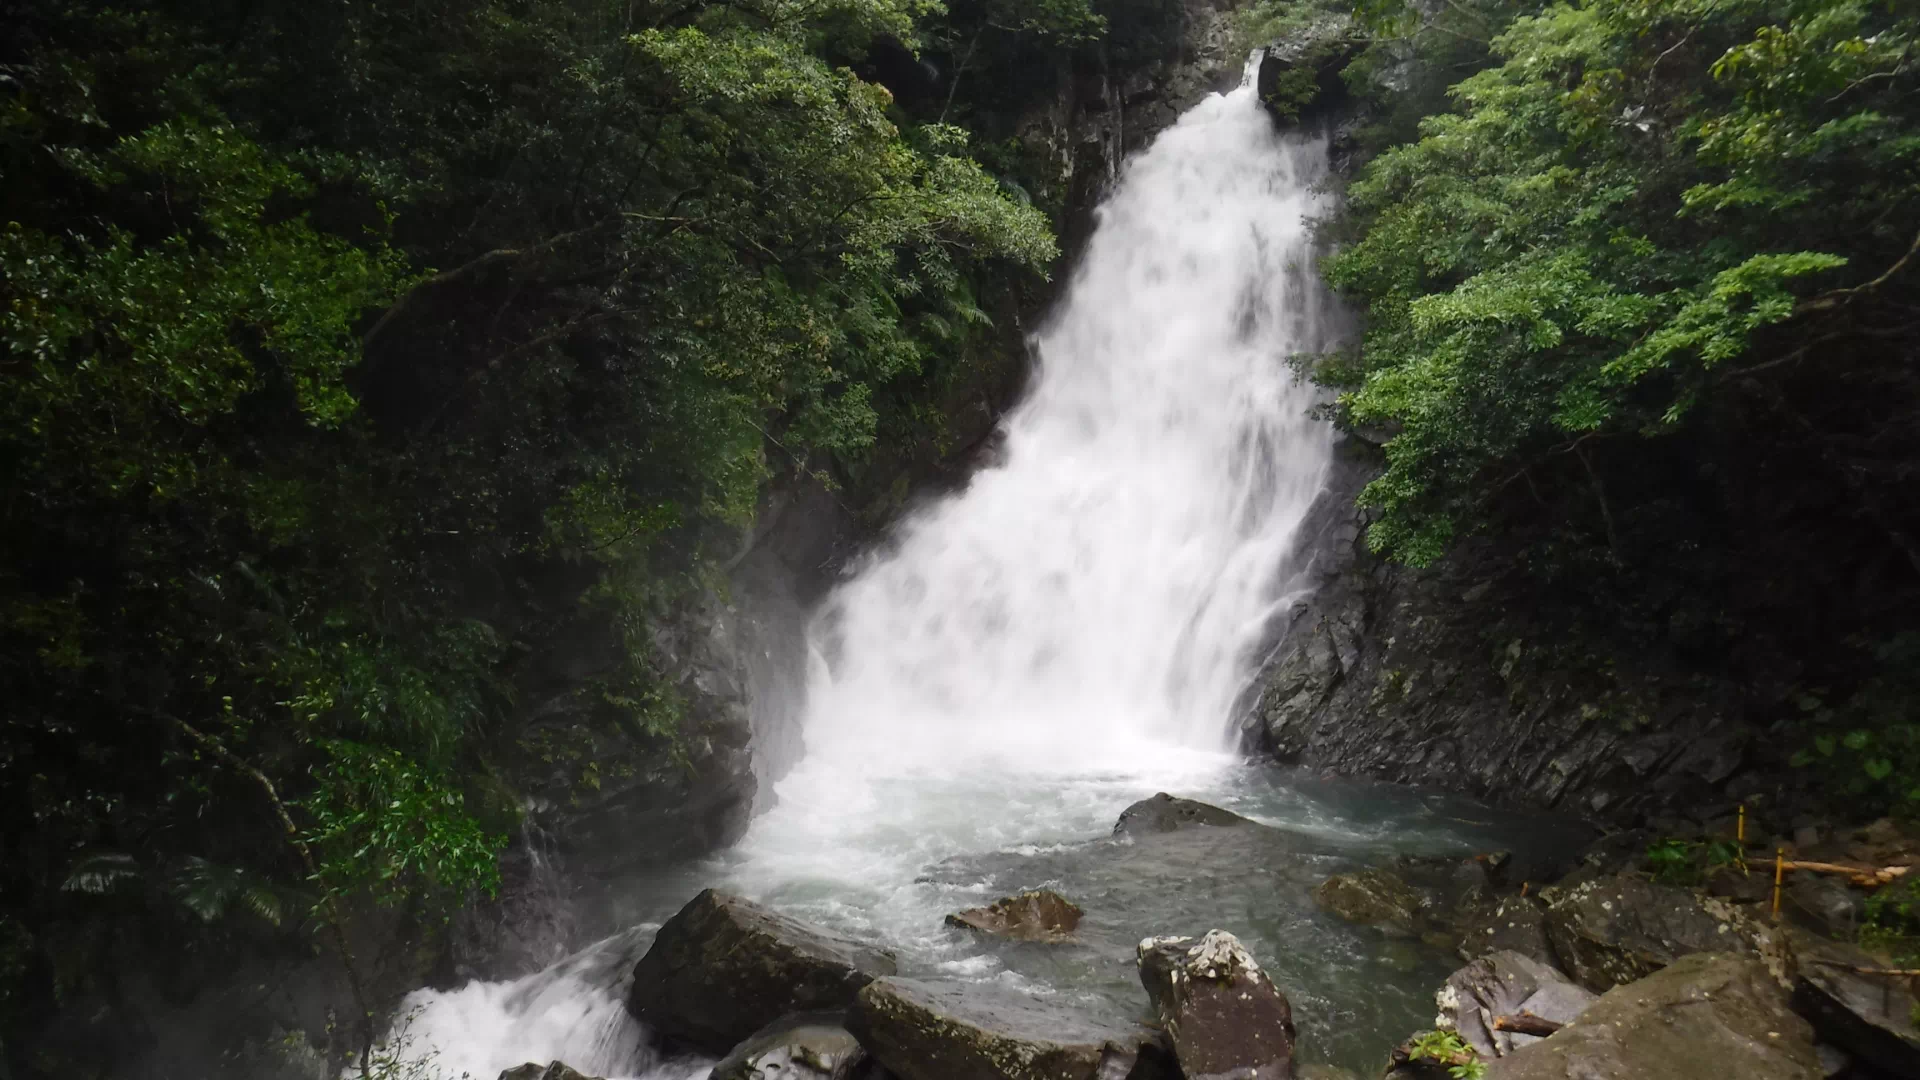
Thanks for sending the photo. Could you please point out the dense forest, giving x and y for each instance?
(1640, 302)
(367, 362)
(362, 357)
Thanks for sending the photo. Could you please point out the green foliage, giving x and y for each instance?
(1892, 923)
(206, 890)
(1606, 230)
(1674, 861)
(385, 825)
(1447, 1048)
(1867, 747)
(375, 368)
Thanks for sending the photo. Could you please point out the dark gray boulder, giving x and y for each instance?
(1617, 929)
(1372, 898)
(805, 1046)
(1040, 915)
(724, 968)
(1714, 1015)
(1509, 924)
(923, 1030)
(531, 1071)
(1507, 984)
(1868, 1016)
(1224, 1015)
(1164, 813)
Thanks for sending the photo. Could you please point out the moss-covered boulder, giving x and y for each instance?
(1371, 898)
(1706, 1015)
(924, 1030)
(1616, 929)
(724, 968)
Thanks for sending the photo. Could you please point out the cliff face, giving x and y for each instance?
(1468, 676)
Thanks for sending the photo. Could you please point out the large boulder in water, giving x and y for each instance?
(1372, 898)
(554, 1071)
(1617, 929)
(723, 968)
(806, 1046)
(1706, 1015)
(923, 1030)
(1507, 984)
(1868, 1016)
(1164, 813)
(1225, 1017)
(1040, 915)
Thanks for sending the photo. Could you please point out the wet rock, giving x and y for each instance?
(1040, 915)
(1883, 843)
(1164, 813)
(555, 1071)
(723, 968)
(806, 1046)
(1823, 904)
(1739, 886)
(1511, 924)
(1372, 898)
(1706, 1015)
(1507, 984)
(1868, 1016)
(1617, 929)
(923, 1030)
(1422, 699)
(1325, 1072)
(1224, 1016)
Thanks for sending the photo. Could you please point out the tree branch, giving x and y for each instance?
(329, 905)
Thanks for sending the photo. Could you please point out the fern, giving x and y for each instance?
(102, 873)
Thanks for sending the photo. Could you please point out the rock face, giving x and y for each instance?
(1041, 915)
(968, 1031)
(806, 1046)
(1617, 929)
(1458, 676)
(1507, 984)
(1708, 1015)
(1163, 813)
(1372, 898)
(1225, 1017)
(1868, 1016)
(723, 968)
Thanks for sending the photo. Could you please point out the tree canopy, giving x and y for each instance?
(359, 355)
(1636, 209)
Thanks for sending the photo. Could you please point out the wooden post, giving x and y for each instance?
(1779, 874)
(1742, 833)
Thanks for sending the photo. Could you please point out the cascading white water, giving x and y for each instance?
(1102, 592)
(1072, 630)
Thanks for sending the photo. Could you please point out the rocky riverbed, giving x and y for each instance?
(1576, 964)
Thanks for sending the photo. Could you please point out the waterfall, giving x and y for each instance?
(1070, 631)
(1104, 591)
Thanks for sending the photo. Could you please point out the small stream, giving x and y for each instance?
(1073, 632)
